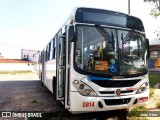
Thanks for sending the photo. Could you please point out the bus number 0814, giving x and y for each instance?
(88, 104)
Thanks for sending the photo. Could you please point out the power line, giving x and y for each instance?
(10, 45)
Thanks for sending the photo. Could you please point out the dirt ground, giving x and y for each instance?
(23, 92)
(154, 99)
(152, 102)
(151, 107)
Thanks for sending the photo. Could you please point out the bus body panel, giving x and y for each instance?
(50, 73)
(78, 101)
(81, 104)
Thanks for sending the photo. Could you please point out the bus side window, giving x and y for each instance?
(51, 50)
(45, 55)
(54, 49)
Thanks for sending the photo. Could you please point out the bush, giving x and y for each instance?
(153, 79)
(136, 111)
(158, 105)
(151, 91)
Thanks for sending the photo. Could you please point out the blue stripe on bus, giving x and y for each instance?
(90, 78)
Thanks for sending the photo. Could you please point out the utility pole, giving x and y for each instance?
(129, 7)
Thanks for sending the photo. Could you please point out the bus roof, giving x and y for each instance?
(106, 17)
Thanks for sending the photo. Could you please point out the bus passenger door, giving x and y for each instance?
(63, 68)
(61, 61)
(43, 68)
(67, 76)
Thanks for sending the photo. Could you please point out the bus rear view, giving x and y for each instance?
(101, 62)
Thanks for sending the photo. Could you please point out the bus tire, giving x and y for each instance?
(123, 114)
(54, 86)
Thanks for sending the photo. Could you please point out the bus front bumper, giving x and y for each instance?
(83, 104)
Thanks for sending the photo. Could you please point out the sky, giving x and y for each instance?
(31, 24)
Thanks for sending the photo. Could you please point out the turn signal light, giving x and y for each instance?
(144, 99)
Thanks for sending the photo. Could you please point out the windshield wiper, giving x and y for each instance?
(128, 37)
(107, 37)
(105, 34)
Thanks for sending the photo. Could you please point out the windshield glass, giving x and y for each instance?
(108, 51)
(96, 53)
(132, 51)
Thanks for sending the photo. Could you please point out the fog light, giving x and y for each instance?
(143, 89)
(146, 84)
(81, 86)
(87, 92)
(136, 100)
(75, 82)
(100, 104)
(84, 89)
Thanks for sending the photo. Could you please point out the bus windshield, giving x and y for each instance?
(102, 50)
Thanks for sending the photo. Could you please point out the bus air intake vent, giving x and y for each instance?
(116, 83)
(117, 101)
(112, 92)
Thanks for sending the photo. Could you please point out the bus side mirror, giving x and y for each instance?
(71, 35)
(148, 49)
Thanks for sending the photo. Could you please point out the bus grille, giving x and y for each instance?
(112, 92)
(115, 83)
(117, 101)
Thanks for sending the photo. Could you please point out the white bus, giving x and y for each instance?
(97, 61)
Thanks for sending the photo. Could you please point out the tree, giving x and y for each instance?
(155, 12)
(157, 31)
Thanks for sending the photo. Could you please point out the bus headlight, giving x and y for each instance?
(84, 89)
(143, 88)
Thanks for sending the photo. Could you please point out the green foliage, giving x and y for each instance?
(138, 118)
(157, 31)
(153, 79)
(151, 91)
(137, 111)
(158, 105)
(155, 12)
(134, 114)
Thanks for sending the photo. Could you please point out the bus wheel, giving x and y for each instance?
(123, 114)
(54, 86)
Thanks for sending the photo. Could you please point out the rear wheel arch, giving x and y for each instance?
(54, 86)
